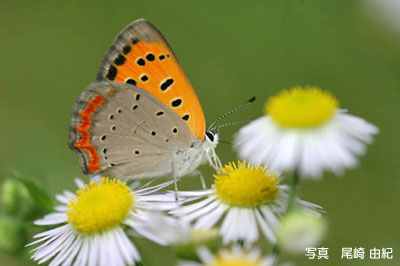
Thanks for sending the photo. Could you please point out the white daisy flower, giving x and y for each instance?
(92, 224)
(233, 257)
(245, 198)
(303, 129)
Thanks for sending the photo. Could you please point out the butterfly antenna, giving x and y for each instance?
(226, 142)
(230, 124)
(234, 109)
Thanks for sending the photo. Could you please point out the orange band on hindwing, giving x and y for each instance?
(83, 129)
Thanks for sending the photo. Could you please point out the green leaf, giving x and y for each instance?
(39, 195)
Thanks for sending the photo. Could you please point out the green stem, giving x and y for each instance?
(275, 254)
(291, 206)
(293, 192)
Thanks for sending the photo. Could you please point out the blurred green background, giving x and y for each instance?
(231, 50)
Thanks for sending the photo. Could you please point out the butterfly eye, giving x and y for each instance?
(210, 135)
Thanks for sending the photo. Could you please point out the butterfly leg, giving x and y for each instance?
(202, 180)
(213, 159)
(175, 182)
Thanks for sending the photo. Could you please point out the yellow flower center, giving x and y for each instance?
(301, 107)
(100, 206)
(246, 185)
(234, 261)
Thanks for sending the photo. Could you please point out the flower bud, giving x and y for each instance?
(299, 230)
(12, 235)
(16, 199)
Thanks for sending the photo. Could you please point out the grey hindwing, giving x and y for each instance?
(134, 134)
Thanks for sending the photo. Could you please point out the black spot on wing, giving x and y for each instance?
(126, 49)
(176, 102)
(144, 78)
(150, 57)
(185, 117)
(131, 81)
(166, 84)
(112, 72)
(141, 62)
(120, 60)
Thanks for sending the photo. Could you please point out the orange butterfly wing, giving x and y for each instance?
(141, 56)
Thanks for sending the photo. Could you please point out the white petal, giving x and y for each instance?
(150, 190)
(96, 178)
(75, 246)
(205, 255)
(94, 252)
(191, 208)
(52, 218)
(196, 214)
(79, 183)
(358, 127)
(159, 197)
(287, 155)
(159, 206)
(228, 230)
(68, 194)
(189, 263)
(144, 231)
(82, 258)
(104, 252)
(115, 255)
(267, 231)
(210, 219)
(199, 193)
(64, 251)
(310, 206)
(61, 208)
(270, 216)
(126, 247)
(62, 198)
(51, 247)
(52, 232)
(252, 234)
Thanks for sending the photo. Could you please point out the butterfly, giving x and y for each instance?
(141, 118)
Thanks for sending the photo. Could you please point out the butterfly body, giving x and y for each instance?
(141, 118)
(187, 161)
